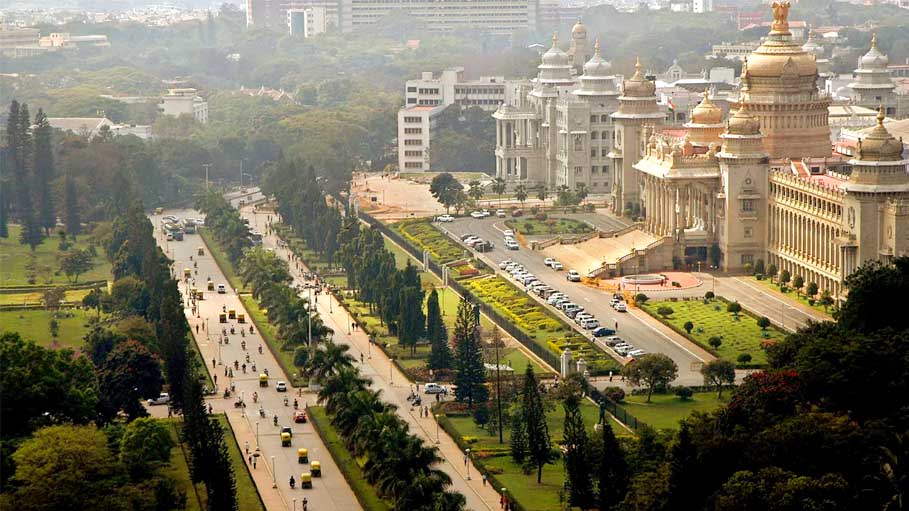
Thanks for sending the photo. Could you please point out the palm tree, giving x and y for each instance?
(498, 187)
(520, 193)
(542, 192)
(581, 192)
(476, 191)
(328, 360)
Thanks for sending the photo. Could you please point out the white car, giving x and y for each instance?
(281, 386)
(485, 212)
(553, 297)
(621, 307)
(511, 244)
(500, 213)
(435, 388)
(444, 218)
(573, 276)
(548, 261)
(508, 233)
(636, 353)
(591, 324)
(504, 264)
(162, 399)
(473, 240)
(477, 214)
(557, 266)
(222, 289)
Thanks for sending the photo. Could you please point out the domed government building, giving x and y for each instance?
(761, 183)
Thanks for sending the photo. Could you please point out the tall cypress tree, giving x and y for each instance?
(470, 377)
(31, 230)
(220, 482)
(43, 173)
(683, 472)
(411, 321)
(518, 438)
(440, 353)
(613, 472)
(8, 171)
(71, 215)
(577, 455)
(539, 446)
(172, 340)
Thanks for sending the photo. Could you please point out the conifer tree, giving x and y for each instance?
(470, 377)
(440, 353)
(577, 455)
(518, 438)
(71, 215)
(43, 173)
(539, 447)
(683, 472)
(613, 472)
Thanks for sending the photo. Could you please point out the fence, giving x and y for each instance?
(616, 410)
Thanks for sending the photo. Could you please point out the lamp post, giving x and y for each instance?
(274, 475)
(437, 429)
(207, 166)
(257, 434)
(242, 403)
(467, 462)
(391, 363)
(295, 504)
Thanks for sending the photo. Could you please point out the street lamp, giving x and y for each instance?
(437, 429)
(467, 462)
(391, 363)
(295, 504)
(257, 434)
(274, 475)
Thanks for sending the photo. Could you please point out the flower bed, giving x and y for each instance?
(425, 236)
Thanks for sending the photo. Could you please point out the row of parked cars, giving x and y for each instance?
(483, 213)
(510, 242)
(477, 243)
(623, 348)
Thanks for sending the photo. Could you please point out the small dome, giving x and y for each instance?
(597, 66)
(812, 47)
(706, 112)
(555, 56)
(579, 31)
(880, 145)
(638, 86)
(743, 123)
(874, 59)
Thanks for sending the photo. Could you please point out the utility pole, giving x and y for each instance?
(207, 166)
(241, 173)
(495, 341)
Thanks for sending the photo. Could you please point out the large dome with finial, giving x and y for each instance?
(880, 145)
(707, 112)
(579, 31)
(555, 56)
(597, 66)
(638, 86)
(874, 59)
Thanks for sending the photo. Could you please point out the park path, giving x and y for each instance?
(386, 377)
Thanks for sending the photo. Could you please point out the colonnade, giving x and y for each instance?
(670, 206)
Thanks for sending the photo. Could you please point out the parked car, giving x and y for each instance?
(477, 214)
(582, 316)
(511, 245)
(554, 297)
(508, 233)
(623, 349)
(445, 218)
(504, 264)
(281, 386)
(557, 266)
(500, 213)
(162, 399)
(636, 353)
(467, 235)
(614, 340)
(621, 307)
(573, 312)
(590, 324)
(435, 388)
(548, 261)
(485, 212)
(573, 276)
(615, 301)
(602, 331)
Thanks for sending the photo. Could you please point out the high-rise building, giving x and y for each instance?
(274, 13)
(307, 22)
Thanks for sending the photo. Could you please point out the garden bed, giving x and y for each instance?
(425, 236)
(532, 226)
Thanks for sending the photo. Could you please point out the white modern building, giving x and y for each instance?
(307, 22)
(184, 101)
(416, 125)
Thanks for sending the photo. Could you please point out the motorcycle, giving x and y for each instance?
(236, 364)
(243, 334)
(260, 349)
(251, 329)
(239, 404)
(285, 401)
(243, 343)
(247, 358)
(261, 412)
(295, 404)
(276, 420)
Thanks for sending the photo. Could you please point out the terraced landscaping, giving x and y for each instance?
(531, 226)
(738, 335)
(543, 328)
(425, 236)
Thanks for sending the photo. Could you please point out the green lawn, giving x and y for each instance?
(270, 334)
(17, 262)
(349, 466)
(33, 324)
(221, 259)
(666, 410)
(247, 496)
(425, 236)
(711, 319)
(789, 293)
(551, 226)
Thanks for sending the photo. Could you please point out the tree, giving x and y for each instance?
(520, 193)
(744, 358)
(812, 290)
(440, 353)
(577, 455)
(54, 327)
(498, 187)
(475, 191)
(71, 214)
(470, 373)
(613, 471)
(64, 465)
(43, 169)
(130, 373)
(734, 307)
(581, 192)
(715, 342)
(640, 298)
(518, 442)
(826, 300)
(875, 301)
(31, 228)
(785, 277)
(651, 370)
(771, 488)
(683, 471)
(539, 448)
(76, 262)
(53, 297)
(565, 196)
(717, 373)
(411, 321)
(759, 266)
(665, 310)
(542, 193)
(329, 359)
(709, 295)
(145, 444)
(763, 322)
(798, 282)
(444, 187)
(688, 326)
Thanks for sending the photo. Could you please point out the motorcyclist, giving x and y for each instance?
(244, 368)
(295, 404)
(260, 349)
(275, 420)
(292, 482)
(236, 364)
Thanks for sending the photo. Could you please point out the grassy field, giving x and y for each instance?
(740, 335)
(425, 236)
(349, 466)
(71, 296)
(270, 334)
(221, 259)
(799, 297)
(16, 258)
(529, 226)
(34, 325)
(666, 410)
(196, 499)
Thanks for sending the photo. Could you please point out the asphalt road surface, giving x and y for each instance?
(631, 329)
(329, 491)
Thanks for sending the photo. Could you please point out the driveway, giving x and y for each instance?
(329, 491)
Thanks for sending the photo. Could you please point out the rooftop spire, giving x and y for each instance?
(874, 39)
(880, 114)
(555, 39)
(596, 47)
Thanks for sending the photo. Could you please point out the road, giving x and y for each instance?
(393, 384)
(331, 490)
(634, 327)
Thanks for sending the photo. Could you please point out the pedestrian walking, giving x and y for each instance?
(254, 462)
(426, 411)
(225, 371)
(249, 456)
(216, 379)
(247, 447)
(213, 363)
(209, 408)
(617, 326)
(197, 329)
(484, 479)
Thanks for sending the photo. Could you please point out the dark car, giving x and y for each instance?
(603, 332)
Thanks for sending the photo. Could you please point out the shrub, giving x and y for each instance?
(763, 322)
(640, 298)
(665, 311)
(744, 358)
(785, 277)
(709, 295)
(759, 276)
(812, 289)
(541, 216)
(534, 210)
(759, 266)
(689, 326)
(798, 282)
(615, 394)
(684, 393)
(771, 271)
(734, 308)
(715, 342)
(749, 269)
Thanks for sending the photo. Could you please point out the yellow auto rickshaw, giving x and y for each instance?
(231, 314)
(211, 285)
(200, 295)
(302, 455)
(263, 380)
(285, 439)
(187, 273)
(200, 251)
(316, 468)
(158, 211)
(305, 480)
(222, 318)
(241, 318)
